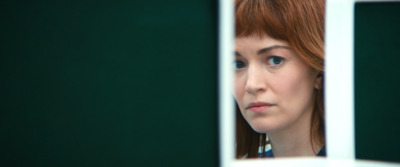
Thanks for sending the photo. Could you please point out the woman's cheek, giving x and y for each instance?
(239, 88)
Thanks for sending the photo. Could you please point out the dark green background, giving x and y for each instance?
(108, 83)
(377, 81)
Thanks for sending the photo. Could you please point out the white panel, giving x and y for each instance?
(226, 105)
(339, 92)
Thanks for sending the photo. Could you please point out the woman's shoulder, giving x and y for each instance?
(322, 152)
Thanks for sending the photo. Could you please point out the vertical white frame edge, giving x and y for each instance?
(225, 85)
(339, 75)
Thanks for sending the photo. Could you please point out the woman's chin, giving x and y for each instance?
(262, 127)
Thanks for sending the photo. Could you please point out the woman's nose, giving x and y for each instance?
(255, 81)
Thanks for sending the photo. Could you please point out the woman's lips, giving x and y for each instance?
(259, 106)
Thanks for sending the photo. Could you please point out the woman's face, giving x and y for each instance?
(273, 86)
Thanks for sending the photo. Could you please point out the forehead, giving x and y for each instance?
(256, 42)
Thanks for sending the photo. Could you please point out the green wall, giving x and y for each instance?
(109, 83)
(377, 81)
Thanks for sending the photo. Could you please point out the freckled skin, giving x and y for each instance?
(289, 86)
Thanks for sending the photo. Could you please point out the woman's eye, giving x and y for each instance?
(238, 64)
(275, 60)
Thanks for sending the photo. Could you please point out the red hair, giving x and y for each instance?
(301, 24)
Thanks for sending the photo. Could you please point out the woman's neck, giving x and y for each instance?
(295, 140)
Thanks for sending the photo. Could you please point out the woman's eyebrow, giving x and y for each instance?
(237, 54)
(265, 50)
